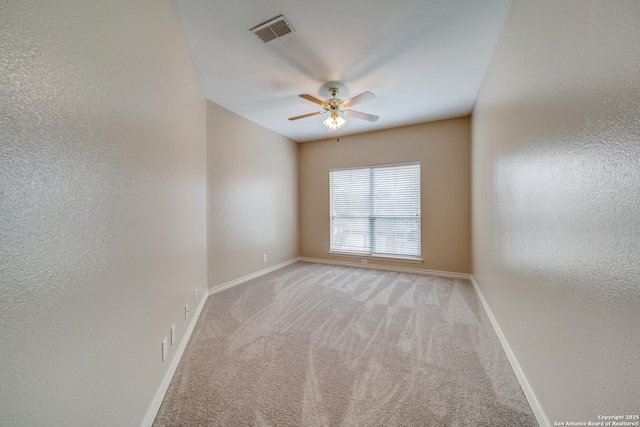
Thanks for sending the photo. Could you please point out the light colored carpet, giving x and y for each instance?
(318, 345)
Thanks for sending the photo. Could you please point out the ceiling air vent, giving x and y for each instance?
(273, 29)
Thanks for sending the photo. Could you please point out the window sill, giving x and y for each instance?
(413, 260)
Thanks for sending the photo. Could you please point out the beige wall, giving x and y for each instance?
(556, 190)
(443, 149)
(102, 207)
(253, 196)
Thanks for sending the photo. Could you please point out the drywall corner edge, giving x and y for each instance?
(164, 386)
(522, 379)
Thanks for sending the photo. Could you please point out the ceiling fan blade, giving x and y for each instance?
(312, 99)
(358, 99)
(306, 115)
(362, 116)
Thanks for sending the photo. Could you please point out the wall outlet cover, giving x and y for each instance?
(173, 334)
(165, 348)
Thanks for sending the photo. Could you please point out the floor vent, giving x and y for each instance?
(273, 29)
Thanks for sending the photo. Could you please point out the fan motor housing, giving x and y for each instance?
(334, 104)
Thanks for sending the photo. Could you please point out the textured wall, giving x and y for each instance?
(443, 149)
(556, 201)
(102, 206)
(252, 196)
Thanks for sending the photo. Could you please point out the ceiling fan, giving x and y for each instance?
(335, 106)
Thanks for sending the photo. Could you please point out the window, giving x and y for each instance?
(376, 210)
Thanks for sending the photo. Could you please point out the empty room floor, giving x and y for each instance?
(320, 345)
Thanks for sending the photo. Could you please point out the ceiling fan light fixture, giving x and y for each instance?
(336, 106)
(334, 122)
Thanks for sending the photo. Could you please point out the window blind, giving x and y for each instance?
(376, 210)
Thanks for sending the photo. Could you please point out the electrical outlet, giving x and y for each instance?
(173, 334)
(363, 261)
(186, 311)
(195, 294)
(165, 349)
(264, 258)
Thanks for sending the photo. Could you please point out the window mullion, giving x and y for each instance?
(372, 189)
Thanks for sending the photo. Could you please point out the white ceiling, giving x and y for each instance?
(423, 59)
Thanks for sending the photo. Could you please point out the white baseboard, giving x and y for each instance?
(157, 401)
(449, 274)
(248, 277)
(526, 388)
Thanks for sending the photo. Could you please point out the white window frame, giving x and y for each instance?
(372, 254)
